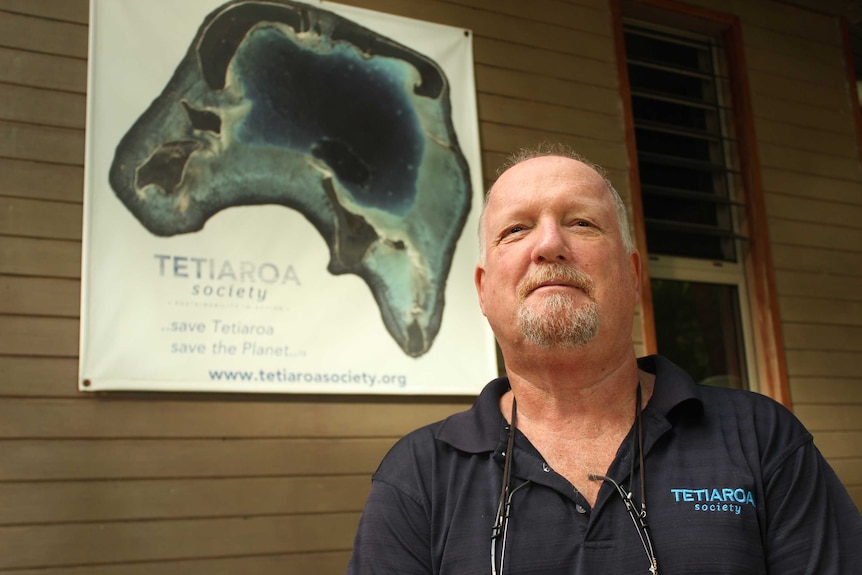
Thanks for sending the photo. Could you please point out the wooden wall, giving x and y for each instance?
(812, 180)
(164, 484)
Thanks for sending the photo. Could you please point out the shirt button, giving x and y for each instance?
(580, 508)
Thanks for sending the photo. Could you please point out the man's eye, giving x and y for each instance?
(583, 224)
(515, 229)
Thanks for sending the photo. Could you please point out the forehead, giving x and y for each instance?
(548, 179)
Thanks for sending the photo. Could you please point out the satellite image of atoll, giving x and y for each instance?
(278, 102)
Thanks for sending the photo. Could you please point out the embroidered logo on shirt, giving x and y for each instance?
(715, 499)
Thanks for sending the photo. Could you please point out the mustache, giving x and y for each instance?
(556, 273)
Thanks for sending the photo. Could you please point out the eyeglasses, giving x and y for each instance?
(638, 519)
(501, 523)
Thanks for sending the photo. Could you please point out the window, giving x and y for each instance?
(693, 201)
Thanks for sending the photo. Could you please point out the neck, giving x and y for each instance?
(565, 387)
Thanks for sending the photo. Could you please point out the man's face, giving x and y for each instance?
(555, 270)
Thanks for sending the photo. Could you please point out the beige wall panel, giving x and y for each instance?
(779, 16)
(587, 15)
(27, 256)
(41, 219)
(507, 139)
(491, 162)
(808, 139)
(48, 545)
(43, 35)
(38, 336)
(41, 181)
(43, 70)
(781, 157)
(40, 296)
(545, 62)
(811, 186)
(815, 260)
(40, 143)
(549, 118)
(317, 563)
(823, 337)
(596, 44)
(828, 55)
(830, 417)
(619, 178)
(802, 91)
(39, 377)
(41, 106)
(813, 210)
(74, 502)
(849, 470)
(814, 235)
(825, 390)
(830, 364)
(856, 493)
(29, 460)
(70, 10)
(819, 286)
(538, 88)
(838, 444)
(162, 415)
(809, 70)
(836, 119)
(819, 311)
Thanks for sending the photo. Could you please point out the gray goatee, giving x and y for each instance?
(560, 320)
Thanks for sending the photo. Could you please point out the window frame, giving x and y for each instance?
(766, 342)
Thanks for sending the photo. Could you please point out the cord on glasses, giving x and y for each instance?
(638, 519)
(501, 522)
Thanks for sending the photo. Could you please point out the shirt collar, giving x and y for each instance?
(675, 392)
(477, 430)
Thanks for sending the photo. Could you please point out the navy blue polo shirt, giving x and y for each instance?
(734, 485)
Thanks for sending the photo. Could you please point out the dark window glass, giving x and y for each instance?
(682, 146)
(697, 326)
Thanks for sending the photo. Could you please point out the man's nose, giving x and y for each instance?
(550, 244)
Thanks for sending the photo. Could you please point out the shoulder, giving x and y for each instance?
(430, 451)
(676, 393)
(754, 411)
(413, 449)
(757, 422)
(737, 419)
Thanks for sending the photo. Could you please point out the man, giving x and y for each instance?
(586, 460)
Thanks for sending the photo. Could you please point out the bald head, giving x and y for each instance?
(562, 151)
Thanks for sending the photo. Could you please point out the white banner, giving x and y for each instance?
(280, 197)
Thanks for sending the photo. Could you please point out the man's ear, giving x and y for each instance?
(637, 273)
(479, 279)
